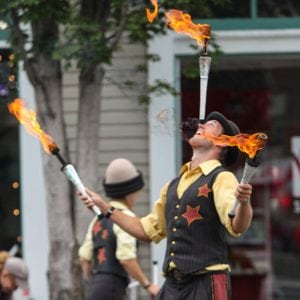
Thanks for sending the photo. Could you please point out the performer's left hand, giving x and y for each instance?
(153, 290)
(243, 193)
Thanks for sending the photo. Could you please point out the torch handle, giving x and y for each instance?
(204, 66)
(247, 175)
(155, 272)
(73, 176)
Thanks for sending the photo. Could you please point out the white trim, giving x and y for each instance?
(259, 41)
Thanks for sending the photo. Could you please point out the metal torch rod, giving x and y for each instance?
(155, 272)
(204, 65)
(250, 167)
(73, 176)
(248, 172)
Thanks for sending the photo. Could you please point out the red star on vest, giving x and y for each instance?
(97, 227)
(101, 255)
(192, 214)
(104, 234)
(203, 191)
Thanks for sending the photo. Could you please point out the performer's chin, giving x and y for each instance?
(196, 140)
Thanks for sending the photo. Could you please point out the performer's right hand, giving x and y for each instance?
(91, 198)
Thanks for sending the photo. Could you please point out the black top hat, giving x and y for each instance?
(230, 128)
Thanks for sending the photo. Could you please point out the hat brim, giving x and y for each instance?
(232, 152)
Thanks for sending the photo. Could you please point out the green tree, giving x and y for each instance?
(48, 36)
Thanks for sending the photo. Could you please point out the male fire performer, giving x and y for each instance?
(108, 253)
(192, 212)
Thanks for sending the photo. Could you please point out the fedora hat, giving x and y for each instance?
(230, 128)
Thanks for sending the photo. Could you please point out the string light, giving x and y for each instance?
(7, 75)
(15, 185)
(16, 212)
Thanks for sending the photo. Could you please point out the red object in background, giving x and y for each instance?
(297, 235)
(286, 202)
(248, 287)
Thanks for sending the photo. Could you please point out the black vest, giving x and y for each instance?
(104, 249)
(196, 237)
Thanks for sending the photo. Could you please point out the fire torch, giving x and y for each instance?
(182, 23)
(73, 176)
(251, 144)
(27, 118)
(250, 167)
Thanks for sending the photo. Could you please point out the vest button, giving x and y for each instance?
(176, 217)
(172, 254)
(173, 242)
(177, 206)
(174, 229)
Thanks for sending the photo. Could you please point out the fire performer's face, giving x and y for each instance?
(212, 127)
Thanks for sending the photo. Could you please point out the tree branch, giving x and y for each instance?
(20, 42)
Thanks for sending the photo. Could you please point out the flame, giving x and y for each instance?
(247, 143)
(182, 23)
(152, 15)
(27, 118)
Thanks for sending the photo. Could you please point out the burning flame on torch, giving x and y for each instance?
(152, 15)
(247, 143)
(27, 118)
(182, 23)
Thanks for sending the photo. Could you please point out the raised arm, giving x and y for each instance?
(242, 220)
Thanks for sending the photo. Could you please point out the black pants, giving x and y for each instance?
(208, 286)
(106, 287)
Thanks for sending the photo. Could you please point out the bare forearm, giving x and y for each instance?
(86, 268)
(242, 220)
(132, 225)
(134, 270)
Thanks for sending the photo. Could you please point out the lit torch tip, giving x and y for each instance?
(53, 148)
(55, 151)
(255, 161)
(262, 136)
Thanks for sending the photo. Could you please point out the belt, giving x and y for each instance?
(179, 276)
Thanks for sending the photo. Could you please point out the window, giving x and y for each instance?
(254, 14)
(278, 8)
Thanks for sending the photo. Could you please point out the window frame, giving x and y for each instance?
(253, 22)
